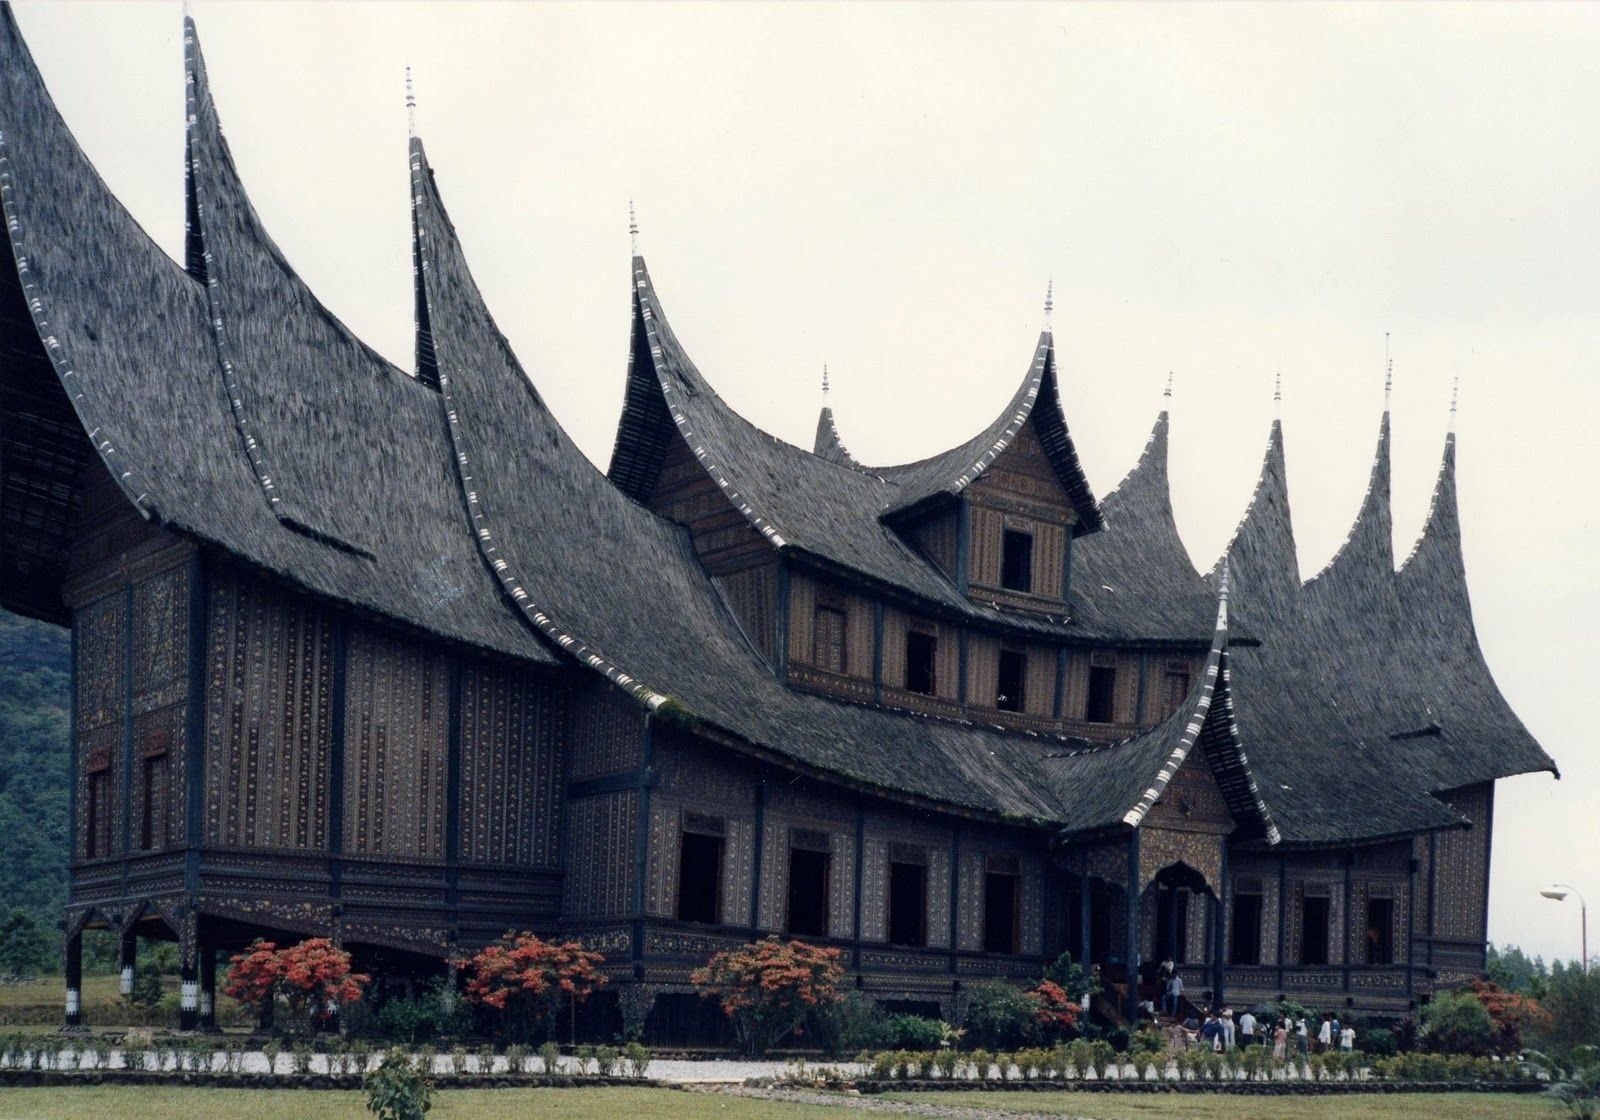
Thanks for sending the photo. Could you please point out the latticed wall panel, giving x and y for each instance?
(511, 768)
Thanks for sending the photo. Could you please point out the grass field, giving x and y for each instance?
(125, 1103)
(1219, 1106)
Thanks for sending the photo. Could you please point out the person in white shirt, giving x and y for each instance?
(1227, 1028)
(1247, 1028)
(1325, 1035)
(1347, 1038)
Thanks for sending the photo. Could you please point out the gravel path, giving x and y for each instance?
(874, 1103)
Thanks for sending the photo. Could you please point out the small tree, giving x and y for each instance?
(1456, 1023)
(768, 987)
(253, 977)
(314, 977)
(1054, 1010)
(1001, 1016)
(398, 1090)
(317, 979)
(1514, 1016)
(525, 979)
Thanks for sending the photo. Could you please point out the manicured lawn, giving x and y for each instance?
(139, 1103)
(1219, 1106)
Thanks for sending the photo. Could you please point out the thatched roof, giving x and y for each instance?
(1134, 579)
(826, 507)
(135, 353)
(228, 403)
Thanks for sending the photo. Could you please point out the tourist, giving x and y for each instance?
(1302, 1039)
(1347, 1038)
(1280, 1040)
(1325, 1034)
(1335, 1029)
(1226, 1019)
(1174, 998)
(1247, 1028)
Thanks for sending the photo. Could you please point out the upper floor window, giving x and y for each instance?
(1016, 560)
(1177, 690)
(1002, 904)
(1314, 914)
(1012, 680)
(908, 895)
(700, 855)
(828, 640)
(1101, 704)
(1380, 931)
(920, 650)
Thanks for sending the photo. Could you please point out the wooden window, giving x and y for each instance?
(809, 863)
(1177, 690)
(1016, 560)
(1244, 931)
(921, 651)
(828, 640)
(1002, 905)
(1012, 681)
(153, 832)
(1100, 706)
(97, 825)
(700, 858)
(1314, 913)
(908, 895)
(1380, 931)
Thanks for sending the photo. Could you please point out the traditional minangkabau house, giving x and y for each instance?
(376, 654)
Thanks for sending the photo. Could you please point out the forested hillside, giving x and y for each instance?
(34, 690)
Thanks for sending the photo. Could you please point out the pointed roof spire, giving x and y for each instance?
(633, 229)
(1455, 392)
(1388, 373)
(1166, 394)
(1277, 396)
(411, 106)
(1049, 302)
(824, 383)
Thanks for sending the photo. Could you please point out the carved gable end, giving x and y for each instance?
(1192, 802)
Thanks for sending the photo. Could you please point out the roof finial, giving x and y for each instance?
(1222, 592)
(1388, 372)
(824, 382)
(411, 105)
(1049, 301)
(1277, 395)
(1455, 391)
(188, 10)
(1167, 392)
(633, 229)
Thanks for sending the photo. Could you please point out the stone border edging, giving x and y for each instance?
(1289, 1088)
(41, 1078)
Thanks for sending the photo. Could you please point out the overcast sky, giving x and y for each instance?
(1220, 192)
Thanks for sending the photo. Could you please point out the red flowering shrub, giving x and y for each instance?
(1512, 1014)
(526, 979)
(1053, 1008)
(768, 987)
(313, 976)
(253, 977)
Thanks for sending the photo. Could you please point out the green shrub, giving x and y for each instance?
(1145, 1042)
(1000, 1016)
(913, 1032)
(398, 1090)
(300, 1058)
(1380, 1042)
(982, 1064)
(1456, 1023)
(636, 1058)
(606, 1059)
(550, 1056)
(850, 1024)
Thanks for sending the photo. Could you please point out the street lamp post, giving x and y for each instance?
(1559, 892)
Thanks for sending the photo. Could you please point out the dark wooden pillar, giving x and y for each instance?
(1085, 912)
(208, 988)
(189, 992)
(1219, 931)
(74, 978)
(127, 961)
(1131, 934)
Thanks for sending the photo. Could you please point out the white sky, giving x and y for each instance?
(1220, 191)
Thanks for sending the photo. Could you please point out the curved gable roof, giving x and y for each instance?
(1134, 579)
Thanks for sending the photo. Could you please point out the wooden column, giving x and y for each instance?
(1131, 934)
(127, 960)
(208, 988)
(74, 978)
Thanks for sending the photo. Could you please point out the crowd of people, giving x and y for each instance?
(1220, 1030)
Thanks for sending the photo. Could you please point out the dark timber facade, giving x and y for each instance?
(375, 654)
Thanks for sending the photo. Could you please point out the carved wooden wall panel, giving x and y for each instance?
(268, 716)
(753, 596)
(397, 741)
(99, 705)
(600, 850)
(511, 767)
(722, 537)
(605, 735)
(937, 537)
(1461, 889)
